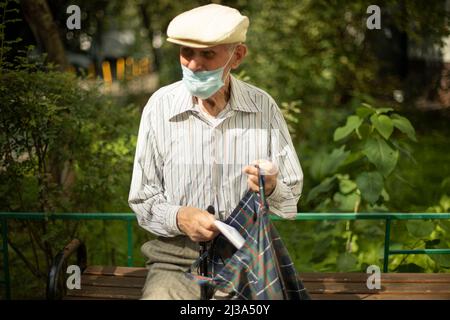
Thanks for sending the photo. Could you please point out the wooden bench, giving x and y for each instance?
(99, 282)
(110, 283)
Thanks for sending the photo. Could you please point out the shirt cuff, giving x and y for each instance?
(171, 221)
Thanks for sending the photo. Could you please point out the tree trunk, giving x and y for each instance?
(39, 17)
(148, 25)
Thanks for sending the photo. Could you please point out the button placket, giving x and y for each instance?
(215, 167)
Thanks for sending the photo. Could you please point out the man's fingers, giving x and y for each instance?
(253, 179)
(204, 234)
(251, 170)
(207, 221)
(252, 186)
(266, 167)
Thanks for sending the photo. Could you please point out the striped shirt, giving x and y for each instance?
(184, 158)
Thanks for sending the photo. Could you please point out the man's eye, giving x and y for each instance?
(208, 54)
(186, 52)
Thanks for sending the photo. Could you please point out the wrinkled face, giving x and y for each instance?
(211, 58)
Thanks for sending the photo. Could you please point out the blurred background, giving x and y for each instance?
(368, 110)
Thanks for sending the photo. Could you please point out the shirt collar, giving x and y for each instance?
(242, 98)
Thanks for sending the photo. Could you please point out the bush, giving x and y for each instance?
(65, 147)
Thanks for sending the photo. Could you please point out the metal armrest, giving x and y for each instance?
(55, 283)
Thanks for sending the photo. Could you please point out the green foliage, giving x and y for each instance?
(379, 153)
(65, 147)
(371, 185)
(353, 123)
(52, 128)
(354, 176)
(5, 45)
(443, 206)
(354, 179)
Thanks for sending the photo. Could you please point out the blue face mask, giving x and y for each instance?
(203, 84)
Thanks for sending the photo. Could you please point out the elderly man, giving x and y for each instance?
(198, 140)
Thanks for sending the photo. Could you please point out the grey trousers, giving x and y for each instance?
(168, 259)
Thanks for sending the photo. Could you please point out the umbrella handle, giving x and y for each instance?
(204, 248)
(262, 184)
(204, 292)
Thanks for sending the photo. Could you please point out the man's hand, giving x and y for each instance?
(197, 224)
(270, 172)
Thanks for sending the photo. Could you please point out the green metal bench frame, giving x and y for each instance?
(130, 218)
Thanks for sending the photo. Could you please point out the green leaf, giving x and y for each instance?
(383, 124)
(404, 125)
(346, 202)
(364, 111)
(385, 195)
(442, 260)
(410, 268)
(430, 244)
(446, 183)
(346, 262)
(381, 155)
(419, 228)
(371, 185)
(353, 122)
(321, 249)
(445, 203)
(346, 186)
(445, 224)
(364, 130)
(383, 110)
(353, 157)
(323, 206)
(323, 187)
(326, 164)
(367, 105)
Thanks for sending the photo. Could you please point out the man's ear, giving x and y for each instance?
(240, 52)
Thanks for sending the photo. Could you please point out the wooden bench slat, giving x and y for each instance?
(380, 296)
(116, 271)
(68, 297)
(385, 277)
(307, 276)
(106, 293)
(112, 281)
(386, 288)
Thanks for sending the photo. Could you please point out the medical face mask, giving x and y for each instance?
(203, 84)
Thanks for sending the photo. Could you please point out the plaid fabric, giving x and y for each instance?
(262, 268)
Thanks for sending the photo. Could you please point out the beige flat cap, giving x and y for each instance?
(208, 26)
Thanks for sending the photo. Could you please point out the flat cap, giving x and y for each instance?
(208, 26)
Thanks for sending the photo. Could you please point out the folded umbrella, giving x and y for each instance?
(261, 269)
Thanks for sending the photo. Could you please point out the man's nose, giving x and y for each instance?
(195, 65)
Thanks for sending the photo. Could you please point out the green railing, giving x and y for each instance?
(39, 216)
(130, 218)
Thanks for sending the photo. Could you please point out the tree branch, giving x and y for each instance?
(37, 273)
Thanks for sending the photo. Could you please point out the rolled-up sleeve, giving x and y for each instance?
(146, 198)
(284, 198)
